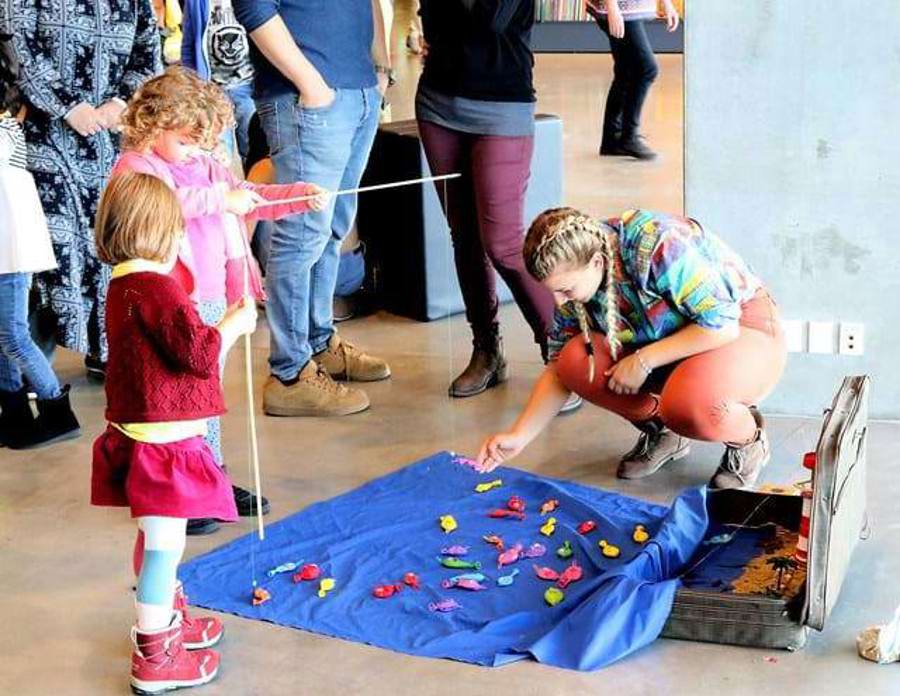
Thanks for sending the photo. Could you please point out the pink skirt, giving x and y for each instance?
(177, 479)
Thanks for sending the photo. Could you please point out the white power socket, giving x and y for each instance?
(851, 340)
(794, 335)
(821, 337)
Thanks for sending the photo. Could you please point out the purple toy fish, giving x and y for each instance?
(463, 584)
(466, 461)
(444, 605)
(535, 551)
(455, 550)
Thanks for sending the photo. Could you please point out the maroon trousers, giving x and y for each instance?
(485, 210)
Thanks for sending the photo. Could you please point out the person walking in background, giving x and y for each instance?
(634, 70)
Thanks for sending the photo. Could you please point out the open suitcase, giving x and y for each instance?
(836, 523)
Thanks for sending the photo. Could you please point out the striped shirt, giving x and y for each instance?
(631, 9)
(12, 143)
(673, 273)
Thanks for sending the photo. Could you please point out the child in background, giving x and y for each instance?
(169, 127)
(25, 248)
(162, 385)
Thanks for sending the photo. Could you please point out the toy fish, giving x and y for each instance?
(573, 573)
(494, 541)
(507, 580)
(444, 605)
(326, 585)
(549, 527)
(506, 514)
(283, 568)
(448, 523)
(640, 534)
(545, 573)
(587, 527)
(455, 550)
(553, 596)
(260, 595)
(549, 506)
(465, 461)
(385, 591)
(411, 580)
(488, 486)
(477, 577)
(565, 551)
(463, 584)
(516, 504)
(608, 549)
(535, 551)
(308, 572)
(456, 563)
(719, 539)
(510, 556)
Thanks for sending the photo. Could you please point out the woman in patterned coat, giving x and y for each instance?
(81, 61)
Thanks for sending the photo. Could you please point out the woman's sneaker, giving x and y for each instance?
(161, 663)
(656, 447)
(742, 464)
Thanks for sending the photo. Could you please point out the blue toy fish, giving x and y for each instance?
(719, 539)
(455, 550)
(283, 568)
(477, 577)
(507, 580)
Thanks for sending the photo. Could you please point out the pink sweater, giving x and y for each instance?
(212, 262)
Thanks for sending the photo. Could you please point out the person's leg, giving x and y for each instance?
(501, 168)
(615, 97)
(450, 151)
(643, 70)
(244, 108)
(342, 360)
(164, 541)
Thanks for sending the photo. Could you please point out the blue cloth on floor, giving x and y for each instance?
(375, 534)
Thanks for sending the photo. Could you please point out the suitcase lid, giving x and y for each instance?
(839, 498)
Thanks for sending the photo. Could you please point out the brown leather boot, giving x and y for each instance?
(487, 367)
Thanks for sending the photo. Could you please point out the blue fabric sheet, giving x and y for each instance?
(376, 533)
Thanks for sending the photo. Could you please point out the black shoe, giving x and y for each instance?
(612, 148)
(96, 368)
(202, 526)
(21, 430)
(635, 147)
(245, 501)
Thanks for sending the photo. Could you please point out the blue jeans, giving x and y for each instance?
(328, 146)
(20, 359)
(244, 108)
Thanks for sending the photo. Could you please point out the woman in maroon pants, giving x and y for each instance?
(475, 108)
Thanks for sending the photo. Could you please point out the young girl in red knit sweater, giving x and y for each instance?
(162, 384)
(170, 127)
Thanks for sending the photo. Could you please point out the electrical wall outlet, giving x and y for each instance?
(821, 337)
(851, 340)
(794, 335)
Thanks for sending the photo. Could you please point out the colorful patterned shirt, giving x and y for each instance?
(673, 273)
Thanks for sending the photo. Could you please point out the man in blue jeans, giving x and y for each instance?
(321, 72)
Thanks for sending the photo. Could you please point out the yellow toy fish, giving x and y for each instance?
(326, 585)
(448, 523)
(608, 549)
(488, 486)
(549, 526)
(553, 596)
(640, 536)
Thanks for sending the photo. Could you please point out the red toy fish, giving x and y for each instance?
(571, 574)
(411, 580)
(516, 504)
(494, 541)
(545, 573)
(587, 527)
(385, 591)
(308, 572)
(549, 506)
(499, 514)
(510, 556)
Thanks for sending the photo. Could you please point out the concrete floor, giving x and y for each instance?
(66, 566)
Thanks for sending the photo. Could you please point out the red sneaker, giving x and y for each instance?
(197, 632)
(160, 662)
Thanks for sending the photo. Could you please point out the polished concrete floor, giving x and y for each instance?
(65, 567)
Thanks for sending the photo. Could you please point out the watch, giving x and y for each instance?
(389, 72)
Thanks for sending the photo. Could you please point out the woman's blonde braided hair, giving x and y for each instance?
(567, 236)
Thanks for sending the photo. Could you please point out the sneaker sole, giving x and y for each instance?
(674, 457)
(286, 412)
(144, 688)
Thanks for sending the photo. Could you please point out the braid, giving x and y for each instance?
(612, 297)
(584, 325)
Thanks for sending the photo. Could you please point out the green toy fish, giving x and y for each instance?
(459, 564)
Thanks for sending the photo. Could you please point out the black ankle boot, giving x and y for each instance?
(55, 421)
(17, 422)
(487, 367)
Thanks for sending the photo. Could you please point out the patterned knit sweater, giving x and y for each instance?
(163, 360)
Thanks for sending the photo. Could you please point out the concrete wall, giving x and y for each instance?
(792, 153)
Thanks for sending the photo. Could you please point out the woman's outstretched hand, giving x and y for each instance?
(499, 449)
